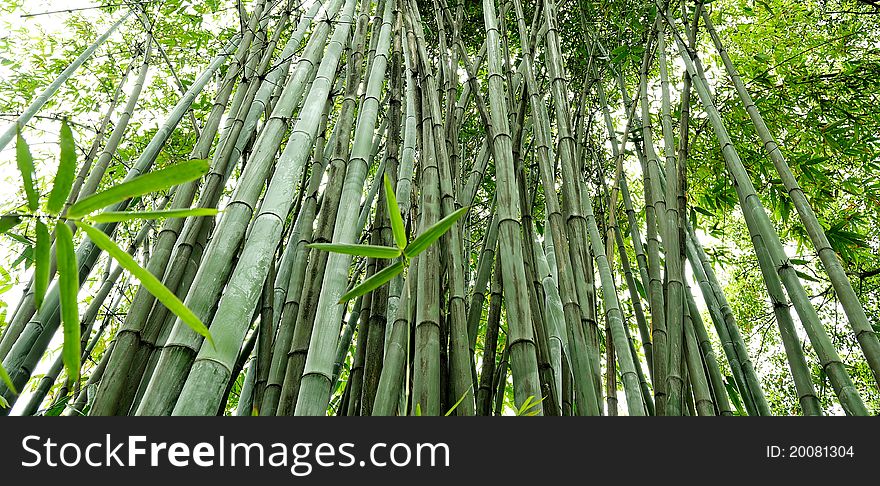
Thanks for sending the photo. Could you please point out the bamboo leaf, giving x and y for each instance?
(397, 226)
(68, 285)
(805, 276)
(66, 172)
(431, 234)
(734, 396)
(372, 251)
(526, 408)
(449, 412)
(114, 216)
(6, 379)
(7, 222)
(43, 258)
(418, 410)
(373, 282)
(25, 162)
(148, 280)
(147, 183)
(57, 408)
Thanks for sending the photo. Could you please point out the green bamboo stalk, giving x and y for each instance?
(291, 308)
(725, 325)
(317, 260)
(719, 391)
(393, 369)
(800, 371)
(703, 400)
(312, 378)
(672, 245)
(126, 368)
(355, 382)
(460, 361)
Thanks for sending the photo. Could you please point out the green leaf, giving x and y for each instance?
(57, 408)
(25, 162)
(373, 251)
(703, 211)
(431, 234)
(43, 259)
(147, 183)
(68, 285)
(394, 211)
(527, 405)
(66, 172)
(6, 379)
(7, 222)
(373, 282)
(805, 276)
(449, 412)
(114, 216)
(418, 411)
(148, 280)
(734, 396)
(3, 402)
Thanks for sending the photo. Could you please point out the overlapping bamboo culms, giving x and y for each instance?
(314, 391)
(137, 336)
(182, 343)
(523, 358)
(211, 369)
(758, 222)
(865, 335)
(36, 335)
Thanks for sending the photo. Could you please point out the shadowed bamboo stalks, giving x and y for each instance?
(314, 391)
(672, 240)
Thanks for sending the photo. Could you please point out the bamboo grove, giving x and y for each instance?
(574, 274)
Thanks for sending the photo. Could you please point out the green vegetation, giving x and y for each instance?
(593, 207)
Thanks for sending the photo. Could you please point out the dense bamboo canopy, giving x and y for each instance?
(426, 207)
